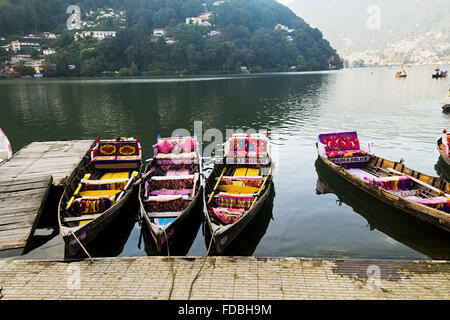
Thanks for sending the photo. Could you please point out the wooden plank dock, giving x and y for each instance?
(55, 158)
(27, 179)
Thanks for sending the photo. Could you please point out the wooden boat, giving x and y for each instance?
(237, 187)
(99, 192)
(443, 146)
(5, 147)
(419, 195)
(439, 74)
(401, 74)
(170, 195)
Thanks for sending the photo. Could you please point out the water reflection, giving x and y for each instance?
(418, 235)
(248, 239)
(442, 169)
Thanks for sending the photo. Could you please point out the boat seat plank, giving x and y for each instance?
(164, 214)
(81, 218)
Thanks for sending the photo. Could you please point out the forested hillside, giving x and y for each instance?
(240, 33)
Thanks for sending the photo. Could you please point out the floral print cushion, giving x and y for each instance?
(226, 215)
(245, 181)
(172, 182)
(228, 200)
(392, 183)
(167, 203)
(345, 153)
(439, 203)
(85, 205)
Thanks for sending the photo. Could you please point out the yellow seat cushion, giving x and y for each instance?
(238, 189)
(252, 172)
(115, 175)
(99, 193)
(240, 172)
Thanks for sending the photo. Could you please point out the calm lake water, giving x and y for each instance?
(402, 117)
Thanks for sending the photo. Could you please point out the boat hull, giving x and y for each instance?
(89, 232)
(446, 108)
(435, 217)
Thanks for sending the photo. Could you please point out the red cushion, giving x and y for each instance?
(165, 146)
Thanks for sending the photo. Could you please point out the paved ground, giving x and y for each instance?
(225, 278)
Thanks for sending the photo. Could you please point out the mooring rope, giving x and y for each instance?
(82, 247)
(171, 264)
(201, 267)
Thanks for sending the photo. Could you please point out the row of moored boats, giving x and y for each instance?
(174, 193)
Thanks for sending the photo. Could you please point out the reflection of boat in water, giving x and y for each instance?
(247, 241)
(419, 236)
(442, 169)
(446, 104)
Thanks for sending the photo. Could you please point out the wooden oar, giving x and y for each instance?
(141, 179)
(420, 182)
(133, 176)
(217, 185)
(260, 189)
(69, 204)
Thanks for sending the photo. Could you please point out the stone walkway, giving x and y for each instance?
(225, 278)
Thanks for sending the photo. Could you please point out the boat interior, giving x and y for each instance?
(393, 177)
(172, 180)
(242, 180)
(237, 192)
(102, 183)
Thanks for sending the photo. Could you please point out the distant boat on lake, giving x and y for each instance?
(401, 74)
(439, 74)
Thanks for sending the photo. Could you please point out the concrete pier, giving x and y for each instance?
(225, 278)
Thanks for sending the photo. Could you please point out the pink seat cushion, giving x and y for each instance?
(165, 146)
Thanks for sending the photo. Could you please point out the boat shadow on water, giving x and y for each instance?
(247, 241)
(442, 169)
(420, 236)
